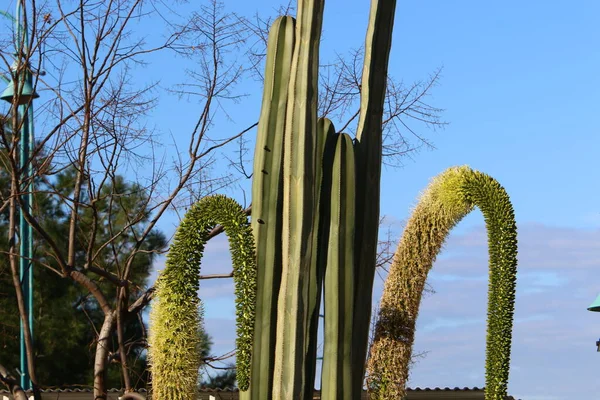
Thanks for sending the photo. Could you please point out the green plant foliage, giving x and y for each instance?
(174, 342)
(311, 224)
(449, 197)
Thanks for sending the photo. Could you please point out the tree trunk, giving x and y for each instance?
(121, 309)
(104, 336)
(100, 362)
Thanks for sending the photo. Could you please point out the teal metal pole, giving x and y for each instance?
(25, 112)
(26, 241)
(25, 230)
(25, 236)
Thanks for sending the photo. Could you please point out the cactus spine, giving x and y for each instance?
(449, 197)
(175, 323)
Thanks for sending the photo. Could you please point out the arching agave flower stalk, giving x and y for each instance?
(449, 197)
(175, 319)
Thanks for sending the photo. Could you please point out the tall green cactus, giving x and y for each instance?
(336, 376)
(175, 323)
(310, 223)
(297, 303)
(267, 202)
(368, 153)
(449, 197)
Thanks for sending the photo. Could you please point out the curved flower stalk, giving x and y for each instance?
(449, 197)
(175, 321)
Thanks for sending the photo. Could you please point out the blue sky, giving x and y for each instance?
(521, 90)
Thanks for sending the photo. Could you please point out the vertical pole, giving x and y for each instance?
(25, 230)
(24, 259)
(30, 188)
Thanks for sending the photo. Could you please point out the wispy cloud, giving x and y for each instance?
(439, 324)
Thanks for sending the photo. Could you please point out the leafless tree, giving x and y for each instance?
(95, 126)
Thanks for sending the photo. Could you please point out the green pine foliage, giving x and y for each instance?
(175, 317)
(224, 380)
(221, 379)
